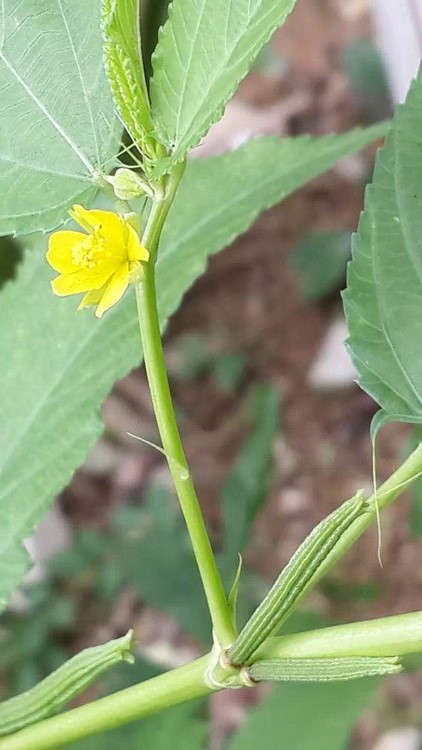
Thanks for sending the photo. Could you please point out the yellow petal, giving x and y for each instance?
(114, 289)
(135, 250)
(91, 299)
(59, 254)
(84, 280)
(108, 223)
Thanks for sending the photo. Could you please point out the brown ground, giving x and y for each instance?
(249, 303)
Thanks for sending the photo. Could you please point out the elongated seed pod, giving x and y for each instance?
(291, 584)
(124, 69)
(68, 681)
(324, 670)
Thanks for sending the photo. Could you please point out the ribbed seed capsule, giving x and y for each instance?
(324, 670)
(68, 681)
(124, 70)
(293, 580)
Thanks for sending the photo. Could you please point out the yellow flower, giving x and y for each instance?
(101, 263)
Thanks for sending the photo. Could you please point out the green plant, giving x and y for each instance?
(320, 262)
(61, 142)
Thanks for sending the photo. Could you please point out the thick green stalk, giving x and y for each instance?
(172, 444)
(179, 685)
(398, 635)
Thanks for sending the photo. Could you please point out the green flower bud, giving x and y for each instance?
(128, 185)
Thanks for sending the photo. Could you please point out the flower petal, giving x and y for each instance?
(108, 223)
(84, 280)
(135, 250)
(59, 254)
(91, 299)
(114, 289)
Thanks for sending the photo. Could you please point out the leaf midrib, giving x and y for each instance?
(81, 156)
(189, 61)
(42, 170)
(83, 87)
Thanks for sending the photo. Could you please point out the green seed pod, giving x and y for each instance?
(68, 681)
(323, 670)
(125, 72)
(293, 580)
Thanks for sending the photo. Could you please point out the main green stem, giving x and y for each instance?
(164, 691)
(167, 425)
(398, 635)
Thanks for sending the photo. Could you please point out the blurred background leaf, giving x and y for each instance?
(160, 562)
(174, 729)
(306, 716)
(320, 262)
(364, 68)
(249, 481)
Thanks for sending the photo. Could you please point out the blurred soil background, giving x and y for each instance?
(267, 314)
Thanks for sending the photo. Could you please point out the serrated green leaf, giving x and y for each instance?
(49, 421)
(205, 48)
(58, 125)
(120, 21)
(305, 716)
(383, 301)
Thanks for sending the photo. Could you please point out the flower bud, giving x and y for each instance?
(128, 185)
